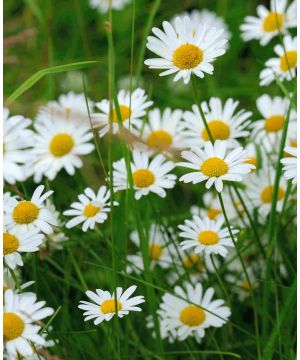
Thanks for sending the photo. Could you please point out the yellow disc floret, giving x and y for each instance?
(155, 251)
(214, 167)
(212, 213)
(273, 21)
(187, 56)
(13, 326)
(91, 210)
(192, 316)
(109, 306)
(218, 129)
(125, 113)
(143, 178)
(160, 139)
(274, 123)
(10, 243)
(61, 144)
(208, 237)
(267, 194)
(288, 60)
(25, 212)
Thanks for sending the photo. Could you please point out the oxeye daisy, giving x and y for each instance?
(16, 242)
(21, 323)
(92, 208)
(103, 5)
(213, 165)
(104, 304)
(224, 122)
(191, 310)
(284, 66)
(273, 111)
(290, 164)
(16, 140)
(184, 50)
(163, 132)
(132, 108)
(27, 215)
(269, 23)
(148, 176)
(205, 235)
(58, 144)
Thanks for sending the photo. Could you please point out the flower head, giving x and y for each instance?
(290, 164)
(103, 5)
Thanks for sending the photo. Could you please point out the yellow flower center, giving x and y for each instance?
(293, 143)
(187, 56)
(193, 261)
(192, 316)
(90, 210)
(13, 326)
(10, 243)
(25, 212)
(68, 111)
(288, 60)
(109, 306)
(125, 113)
(143, 178)
(251, 161)
(61, 144)
(155, 251)
(267, 194)
(213, 213)
(218, 129)
(274, 123)
(245, 285)
(214, 167)
(160, 139)
(273, 21)
(208, 237)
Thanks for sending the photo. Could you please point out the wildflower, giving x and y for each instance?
(103, 5)
(104, 304)
(290, 164)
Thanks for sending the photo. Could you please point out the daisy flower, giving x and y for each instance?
(273, 111)
(16, 242)
(21, 322)
(184, 50)
(9, 281)
(103, 5)
(104, 304)
(163, 132)
(290, 164)
(27, 215)
(16, 140)
(240, 285)
(224, 123)
(148, 176)
(284, 66)
(91, 208)
(205, 235)
(213, 165)
(192, 316)
(132, 108)
(269, 22)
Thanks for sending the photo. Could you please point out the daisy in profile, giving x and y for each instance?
(92, 208)
(27, 215)
(58, 144)
(191, 310)
(273, 112)
(104, 304)
(184, 50)
(10, 283)
(16, 242)
(213, 165)
(132, 109)
(284, 65)
(224, 122)
(148, 176)
(205, 235)
(103, 5)
(16, 140)
(162, 132)
(269, 23)
(290, 164)
(21, 323)
(70, 106)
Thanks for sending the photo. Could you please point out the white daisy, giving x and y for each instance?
(16, 242)
(103, 5)
(148, 176)
(223, 121)
(104, 304)
(162, 133)
(185, 50)
(273, 111)
(132, 108)
(70, 106)
(192, 316)
(240, 285)
(9, 281)
(269, 22)
(27, 215)
(214, 166)
(16, 140)
(290, 164)
(21, 322)
(284, 66)
(205, 235)
(91, 208)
